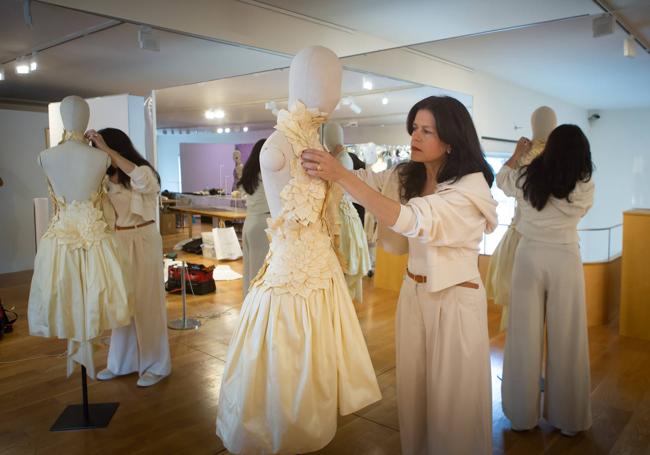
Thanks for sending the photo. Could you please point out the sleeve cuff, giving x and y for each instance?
(405, 220)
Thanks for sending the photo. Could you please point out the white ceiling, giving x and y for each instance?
(110, 61)
(556, 58)
(417, 21)
(561, 59)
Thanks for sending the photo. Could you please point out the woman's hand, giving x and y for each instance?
(97, 140)
(318, 163)
(523, 146)
(521, 149)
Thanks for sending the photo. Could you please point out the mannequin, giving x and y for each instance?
(57, 161)
(320, 90)
(297, 355)
(77, 241)
(499, 275)
(543, 121)
(354, 244)
(239, 167)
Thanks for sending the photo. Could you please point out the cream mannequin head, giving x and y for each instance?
(75, 114)
(332, 137)
(315, 79)
(543, 121)
(236, 156)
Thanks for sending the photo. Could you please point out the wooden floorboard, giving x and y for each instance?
(177, 416)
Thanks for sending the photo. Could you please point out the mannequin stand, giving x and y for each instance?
(85, 416)
(184, 323)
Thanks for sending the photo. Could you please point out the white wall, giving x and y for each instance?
(498, 105)
(124, 112)
(620, 147)
(23, 138)
(391, 134)
(168, 150)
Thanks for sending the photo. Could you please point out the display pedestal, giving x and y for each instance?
(184, 323)
(85, 416)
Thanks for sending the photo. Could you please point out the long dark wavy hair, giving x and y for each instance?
(565, 161)
(456, 128)
(121, 143)
(250, 175)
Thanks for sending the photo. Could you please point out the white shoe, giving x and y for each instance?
(106, 375)
(149, 379)
(568, 434)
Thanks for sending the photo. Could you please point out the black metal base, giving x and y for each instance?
(72, 418)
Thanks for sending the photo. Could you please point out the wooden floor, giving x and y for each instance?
(177, 416)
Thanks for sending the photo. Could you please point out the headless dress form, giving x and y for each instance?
(298, 353)
(77, 289)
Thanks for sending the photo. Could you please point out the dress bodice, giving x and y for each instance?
(79, 223)
(304, 235)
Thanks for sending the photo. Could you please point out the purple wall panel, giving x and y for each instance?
(203, 164)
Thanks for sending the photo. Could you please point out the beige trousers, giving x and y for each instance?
(547, 287)
(444, 392)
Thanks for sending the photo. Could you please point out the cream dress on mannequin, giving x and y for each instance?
(298, 353)
(77, 289)
(499, 275)
(143, 345)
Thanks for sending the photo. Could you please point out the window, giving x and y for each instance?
(505, 208)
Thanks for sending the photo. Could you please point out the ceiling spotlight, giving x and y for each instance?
(33, 64)
(384, 101)
(245, 129)
(22, 66)
(227, 130)
(212, 114)
(355, 108)
(219, 130)
(629, 49)
(367, 83)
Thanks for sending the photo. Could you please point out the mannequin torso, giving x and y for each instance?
(74, 168)
(315, 80)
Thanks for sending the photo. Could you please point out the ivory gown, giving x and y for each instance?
(298, 353)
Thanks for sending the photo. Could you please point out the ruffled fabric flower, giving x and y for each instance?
(78, 224)
(303, 237)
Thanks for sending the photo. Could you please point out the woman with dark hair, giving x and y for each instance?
(441, 201)
(553, 193)
(255, 243)
(133, 187)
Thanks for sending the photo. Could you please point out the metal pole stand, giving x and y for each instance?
(184, 323)
(85, 416)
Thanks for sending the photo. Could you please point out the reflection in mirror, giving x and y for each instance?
(199, 125)
(589, 81)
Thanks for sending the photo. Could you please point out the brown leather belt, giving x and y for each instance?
(423, 279)
(124, 228)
